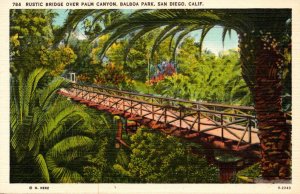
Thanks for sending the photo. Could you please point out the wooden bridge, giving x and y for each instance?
(221, 126)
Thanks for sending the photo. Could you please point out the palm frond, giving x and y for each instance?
(37, 124)
(104, 120)
(30, 86)
(62, 174)
(75, 17)
(119, 33)
(181, 36)
(18, 94)
(98, 15)
(20, 138)
(13, 117)
(70, 143)
(65, 175)
(62, 155)
(224, 33)
(147, 20)
(165, 33)
(58, 116)
(205, 30)
(136, 37)
(48, 95)
(61, 130)
(41, 163)
(72, 21)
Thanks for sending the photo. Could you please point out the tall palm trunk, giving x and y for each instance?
(273, 130)
(274, 133)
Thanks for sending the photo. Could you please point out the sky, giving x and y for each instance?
(212, 41)
(62, 14)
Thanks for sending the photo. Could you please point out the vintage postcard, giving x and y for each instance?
(133, 96)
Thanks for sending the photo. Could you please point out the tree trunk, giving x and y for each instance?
(274, 133)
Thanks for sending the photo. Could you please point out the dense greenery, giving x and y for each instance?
(48, 133)
(102, 156)
(31, 43)
(55, 140)
(204, 77)
(156, 158)
(210, 78)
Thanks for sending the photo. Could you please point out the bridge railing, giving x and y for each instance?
(244, 110)
(236, 121)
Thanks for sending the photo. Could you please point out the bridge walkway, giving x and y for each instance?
(234, 126)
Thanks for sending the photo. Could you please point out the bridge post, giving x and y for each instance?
(249, 130)
(165, 115)
(75, 92)
(199, 115)
(79, 92)
(214, 116)
(119, 133)
(152, 111)
(180, 115)
(123, 105)
(222, 130)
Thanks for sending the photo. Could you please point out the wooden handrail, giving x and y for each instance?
(173, 107)
(246, 108)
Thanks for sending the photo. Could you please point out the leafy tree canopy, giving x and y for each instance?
(156, 158)
(31, 43)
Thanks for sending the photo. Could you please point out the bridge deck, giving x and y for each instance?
(227, 126)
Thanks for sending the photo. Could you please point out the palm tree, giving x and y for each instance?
(46, 140)
(263, 37)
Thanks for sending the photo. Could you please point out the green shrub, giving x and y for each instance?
(248, 174)
(157, 158)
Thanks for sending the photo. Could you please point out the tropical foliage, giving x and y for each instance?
(102, 155)
(212, 78)
(31, 43)
(47, 132)
(156, 158)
